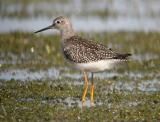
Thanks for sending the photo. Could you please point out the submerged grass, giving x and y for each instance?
(43, 100)
(42, 8)
(31, 50)
(59, 100)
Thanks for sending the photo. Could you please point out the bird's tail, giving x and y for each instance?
(123, 56)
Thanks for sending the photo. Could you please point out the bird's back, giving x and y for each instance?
(80, 50)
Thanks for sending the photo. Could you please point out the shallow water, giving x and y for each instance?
(35, 83)
(25, 74)
(87, 16)
(90, 24)
(54, 74)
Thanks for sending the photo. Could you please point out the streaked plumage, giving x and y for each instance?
(80, 50)
(84, 54)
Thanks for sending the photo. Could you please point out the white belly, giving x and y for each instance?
(96, 66)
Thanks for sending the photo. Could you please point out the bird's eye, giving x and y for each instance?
(58, 22)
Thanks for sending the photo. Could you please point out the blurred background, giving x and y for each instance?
(86, 15)
(36, 84)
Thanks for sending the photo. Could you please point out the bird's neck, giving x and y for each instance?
(67, 33)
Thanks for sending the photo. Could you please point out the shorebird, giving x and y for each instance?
(84, 54)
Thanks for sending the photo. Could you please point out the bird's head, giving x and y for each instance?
(60, 23)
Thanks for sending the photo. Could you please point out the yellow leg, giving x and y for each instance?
(92, 91)
(85, 88)
(92, 95)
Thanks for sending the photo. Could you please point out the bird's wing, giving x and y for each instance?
(80, 50)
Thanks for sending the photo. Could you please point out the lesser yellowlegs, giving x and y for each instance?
(83, 54)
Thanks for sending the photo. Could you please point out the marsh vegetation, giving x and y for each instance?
(36, 84)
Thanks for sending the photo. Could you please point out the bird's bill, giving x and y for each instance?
(46, 28)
